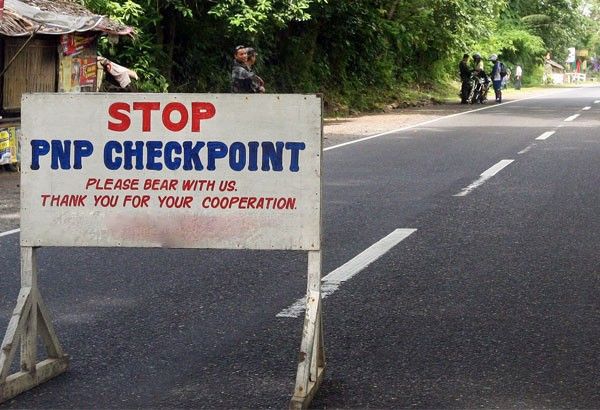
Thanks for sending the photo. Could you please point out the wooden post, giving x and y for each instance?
(311, 362)
(29, 319)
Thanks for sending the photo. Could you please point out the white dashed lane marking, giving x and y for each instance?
(545, 135)
(523, 151)
(571, 118)
(485, 175)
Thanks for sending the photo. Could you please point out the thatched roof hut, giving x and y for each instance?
(49, 46)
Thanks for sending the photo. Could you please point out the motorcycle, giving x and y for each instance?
(478, 89)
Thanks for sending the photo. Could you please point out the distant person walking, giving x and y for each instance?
(465, 78)
(258, 84)
(518, 76)
(241, 81)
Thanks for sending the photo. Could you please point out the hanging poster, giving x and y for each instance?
(72, 44)
(8, 145)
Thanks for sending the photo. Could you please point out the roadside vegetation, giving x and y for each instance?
(361, 54)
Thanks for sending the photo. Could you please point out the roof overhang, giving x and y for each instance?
(24, 17)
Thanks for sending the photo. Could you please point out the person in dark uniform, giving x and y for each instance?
(465, 77)
(258, 84)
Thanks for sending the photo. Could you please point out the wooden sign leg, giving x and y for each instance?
(311, 364)
(29, 319)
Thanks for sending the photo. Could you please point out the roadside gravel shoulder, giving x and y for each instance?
(340, 130)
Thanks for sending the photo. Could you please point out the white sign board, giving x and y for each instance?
(225, 171)
(571, 55)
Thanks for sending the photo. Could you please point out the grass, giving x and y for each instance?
(377, 101)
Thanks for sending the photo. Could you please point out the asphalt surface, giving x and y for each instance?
(491, 303)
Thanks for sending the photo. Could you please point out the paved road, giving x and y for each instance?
(492, 302)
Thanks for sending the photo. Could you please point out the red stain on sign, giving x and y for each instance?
(181, 231)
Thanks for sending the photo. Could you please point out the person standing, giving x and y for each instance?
(258, 84)
(465, 78)
(478, 68)
(484, 81)
(498, 72)
(518, 75)
(241, 81)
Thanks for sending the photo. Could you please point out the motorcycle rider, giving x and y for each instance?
(479, 72)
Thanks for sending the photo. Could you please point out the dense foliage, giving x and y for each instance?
(359, 53)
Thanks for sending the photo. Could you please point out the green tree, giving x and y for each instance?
(558, 22)
(358, 53)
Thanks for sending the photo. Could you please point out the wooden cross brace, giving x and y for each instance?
(29, 320)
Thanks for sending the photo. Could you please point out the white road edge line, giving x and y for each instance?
(485, 175)
(571, 118)
(597, 101)
(586, 108)
(10, 232)
(332, 281)
(545, 135)
(435, 120)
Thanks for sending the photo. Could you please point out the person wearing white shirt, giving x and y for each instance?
(518, 75)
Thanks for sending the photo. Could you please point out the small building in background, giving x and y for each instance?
(46, 46)
(554, 73)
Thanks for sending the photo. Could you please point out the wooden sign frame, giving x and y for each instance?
(31, 319)
(311, 362)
